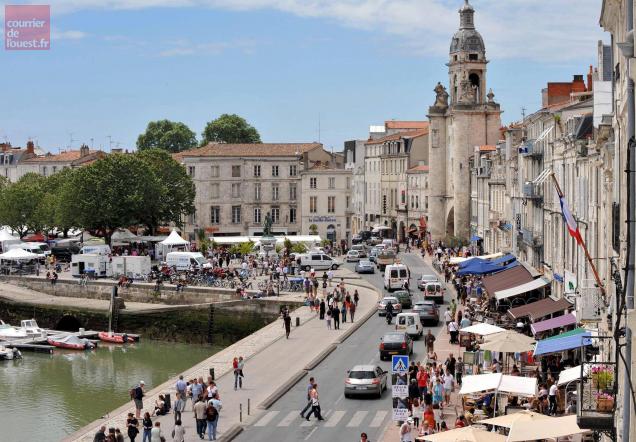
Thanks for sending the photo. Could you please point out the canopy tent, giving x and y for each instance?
(481, 267)
(508, 278)
(465, 434)
(226, 240)
(560, 343)
(502, 260)
(123, 235)
(508, 420)
(174, 240)
(500, 382)
(576, 331)
(549, 324)
(458, 259)
(18, 254)
(508, 341)
(6, 236)
(475, 238)
(521, 289)
(559, 427)
(482, 329)
(150, 238)
(540, 309)
(571, 374)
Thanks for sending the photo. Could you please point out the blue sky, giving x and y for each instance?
(114, 65)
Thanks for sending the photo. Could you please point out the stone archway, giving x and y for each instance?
(450, 222)
(68, 323)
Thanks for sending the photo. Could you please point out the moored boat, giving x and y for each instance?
(9, 353)
(7, 331)
(31, 328)
(117, 338)
(71, 342)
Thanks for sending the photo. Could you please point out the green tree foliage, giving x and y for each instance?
(298, 248)
(313, 229)
(244, 248)
(168, 135)
(20, 204)
(230, 129)
(204, 242)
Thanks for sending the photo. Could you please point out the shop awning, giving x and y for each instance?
(549, 324)
(560, 344)
(571, 375)
(482, 329)
(539, 309)
(504, 280)
(501, 260)
(506, 259)
(576, 331)
(475, 238)
(521, 289)
(518, 385)
(458, 259)
(481, 267)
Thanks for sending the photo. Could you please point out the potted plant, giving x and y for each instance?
(602, 377)
(604, 402)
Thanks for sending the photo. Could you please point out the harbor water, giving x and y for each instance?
(47, 397)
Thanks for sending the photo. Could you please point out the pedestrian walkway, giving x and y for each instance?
(271, 361)
(333, 418)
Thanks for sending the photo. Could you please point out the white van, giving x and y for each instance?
(389, 243)
(394, 276)
(95, 249)
(37, 248)
(186, 260)
(317, 261)
(410, 324)
(131, 266)
(91, 264)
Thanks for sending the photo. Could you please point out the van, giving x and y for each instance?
(410, 324)
(385, 257)
(95, 249)
(91, 264)
(134, 267)
(361, 249)
(37, 248)
(394, 276)
(434, 291)
(389, 243)
(317, 261)
(186, 260)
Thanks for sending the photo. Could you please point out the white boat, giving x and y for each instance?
(31, 328)
(9, 353)
(7, 331)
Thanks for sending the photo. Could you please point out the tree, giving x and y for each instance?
(168, 135)
(204, 242)
(20, 204)
(57, 211)
(230, 129)
(176, 190)
(313, 229)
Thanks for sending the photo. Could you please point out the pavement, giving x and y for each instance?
(273, 365)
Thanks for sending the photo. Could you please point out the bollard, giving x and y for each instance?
(297, 321)
(212, 374)
(248, 406)
(240, 412)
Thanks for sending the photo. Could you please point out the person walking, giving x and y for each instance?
(336, 316)
(181, 386)
(328, 318)
(155, 434)
(315, 404)
(430, 342)
(406, 431)
(132, 424)
(147, 425)
(343, 311)
(352, 310)
(200, 416)
(322, 309)
(310, 387)
(356, 297)
(100, 436)
(241, 365)
(459, 371)
(287, 324)
(196, 388)
(179, 406)
(178, 433)
(453, 330)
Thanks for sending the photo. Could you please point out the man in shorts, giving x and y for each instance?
(138, 396)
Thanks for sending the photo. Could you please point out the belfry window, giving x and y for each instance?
(473, 57)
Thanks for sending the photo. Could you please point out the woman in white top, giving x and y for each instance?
(155, 433)
(178, 434)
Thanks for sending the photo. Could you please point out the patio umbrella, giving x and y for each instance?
(508, 341)
(559, 427)
(466, 434)
(508, 420)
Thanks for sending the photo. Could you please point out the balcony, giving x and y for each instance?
(531, 191)
(529, 238)
(530, 148)
(483, 172)
(597, 393)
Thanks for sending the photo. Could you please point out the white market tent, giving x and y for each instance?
(559, 427)
(482, 329)
(122, 237)
(458, 259)
(571, 375)
(228, 240)
(18, 254)
(174, 240)
(465, 434)
(508, 341)
(520, 289)
(499, 382)
(508, 420)
(6, 238)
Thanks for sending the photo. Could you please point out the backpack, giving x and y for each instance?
(211, 413)
(132, 393)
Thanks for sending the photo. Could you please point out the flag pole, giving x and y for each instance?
(587, 253)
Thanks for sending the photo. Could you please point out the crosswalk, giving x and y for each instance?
(333, 419)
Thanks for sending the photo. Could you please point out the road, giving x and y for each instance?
(345, 419)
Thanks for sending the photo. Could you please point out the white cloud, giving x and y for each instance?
(557, 30)
(186, 48)
(57, 34)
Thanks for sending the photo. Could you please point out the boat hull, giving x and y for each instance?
(69, 346)
(116, 338)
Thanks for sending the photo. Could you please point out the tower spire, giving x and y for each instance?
(466, 16)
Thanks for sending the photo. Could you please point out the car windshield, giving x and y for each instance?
(200, 260)
(361, 375)
(433, 288)
(365, 263)
(393, 337)
(389, 300)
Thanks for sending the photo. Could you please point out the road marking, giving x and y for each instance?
(339, 399)
(288, 419)
(335, 419)
(311, 433)
(266, 419)
(378, 419)
(356, 420)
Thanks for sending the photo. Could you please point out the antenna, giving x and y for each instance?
(71, 139)
(110, 142)
(523, 114)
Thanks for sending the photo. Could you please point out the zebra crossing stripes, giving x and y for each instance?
(378, 418)
(266, 419)
(357, 418)
(291, 416)
(333, 419)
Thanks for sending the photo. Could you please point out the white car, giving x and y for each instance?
(353, 256)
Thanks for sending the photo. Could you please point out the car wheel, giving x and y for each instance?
(334, 267)
(346, 395)
(307, 268)
(380, 393)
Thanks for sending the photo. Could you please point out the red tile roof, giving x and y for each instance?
(487, 148)
(65, 157)
(392, 124)
(248, 150)
(397, 136)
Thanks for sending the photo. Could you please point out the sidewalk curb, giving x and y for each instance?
(231, 433)
(356, 326)
(318, 359)
(272, 398)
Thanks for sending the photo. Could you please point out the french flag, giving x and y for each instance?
(573, 228)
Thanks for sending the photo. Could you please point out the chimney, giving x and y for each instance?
(578, 85)
(589, 79)
(84, 150)
(5, 146)
(30, 147)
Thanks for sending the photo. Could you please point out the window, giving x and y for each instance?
(214, 171)
(214, 190)
(313, 204)
(236, 214)
(331, 204)
(274, 192)
(292, 191)
(54, 169)
(44, 170)
(257, 215)
(347, 200)
(215, 215)
(191, 171)
(292, 215)
(332, 182)
(403, 198)
(257, 170)
(257, 192)
(236, 171)
(348, 223)
(236, 190)
(274, 170)
(275, 215)
(417, 201)
(348, 182)
(313, 183)
(192, 219)
(293, 170)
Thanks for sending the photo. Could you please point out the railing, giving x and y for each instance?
(530, 148)
(531, 191)
(597, 395)
(529, 238)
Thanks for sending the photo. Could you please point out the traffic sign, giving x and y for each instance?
(399, 364)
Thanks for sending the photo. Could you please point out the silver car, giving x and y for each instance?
(365, 380)
(425, 279)
(364, 266)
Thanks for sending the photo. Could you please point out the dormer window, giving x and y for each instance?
(473, 57)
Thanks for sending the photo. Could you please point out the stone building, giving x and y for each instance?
(326, 202)
(417, 200)
(49, 164)
(11, 157)
(354, 151)
(471, 118)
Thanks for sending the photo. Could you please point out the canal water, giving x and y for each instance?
(47, 397)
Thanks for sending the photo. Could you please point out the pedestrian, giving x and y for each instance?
(453, 329)
(552, 398)
(352, 311)
(241, 365)
(356, 297)
(287, 324)
(181, 386)
(330, 276)
(322, 309)
(132, 424)
(364, 437)
(315, 404)
(235, 371)
(147, 424)
(100, 436)
(310, 387)
(343, 311)
(212, 416)
(328, 319)
(178, 433)
(118, 436)
(196, 389)
(179, 406)
(406, 431)
(137, 395)
(449, 386)
(430, 342)
(438, 392)
(447, 317)
(336, 316)
(200, 416)
(155, 434)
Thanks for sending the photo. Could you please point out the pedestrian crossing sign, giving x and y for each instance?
(399, 364)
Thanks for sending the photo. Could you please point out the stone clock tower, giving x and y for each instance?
(471, 118)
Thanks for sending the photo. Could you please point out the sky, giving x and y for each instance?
(297, 70)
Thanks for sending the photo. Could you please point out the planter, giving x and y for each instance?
(605, 404)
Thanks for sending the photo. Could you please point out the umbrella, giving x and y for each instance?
(508, 341)
(482, 329)
(465, 434)
(508, 420)
(559, 427)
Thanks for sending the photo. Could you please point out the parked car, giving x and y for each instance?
(353, 256)
(317, 261)
(374, 240)
(395, 343)
(428, 312)
(397, 308)
(65, 252)
(365, 380)
(435, 292)
(365, 267)
(424, 279)
(404, 297)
